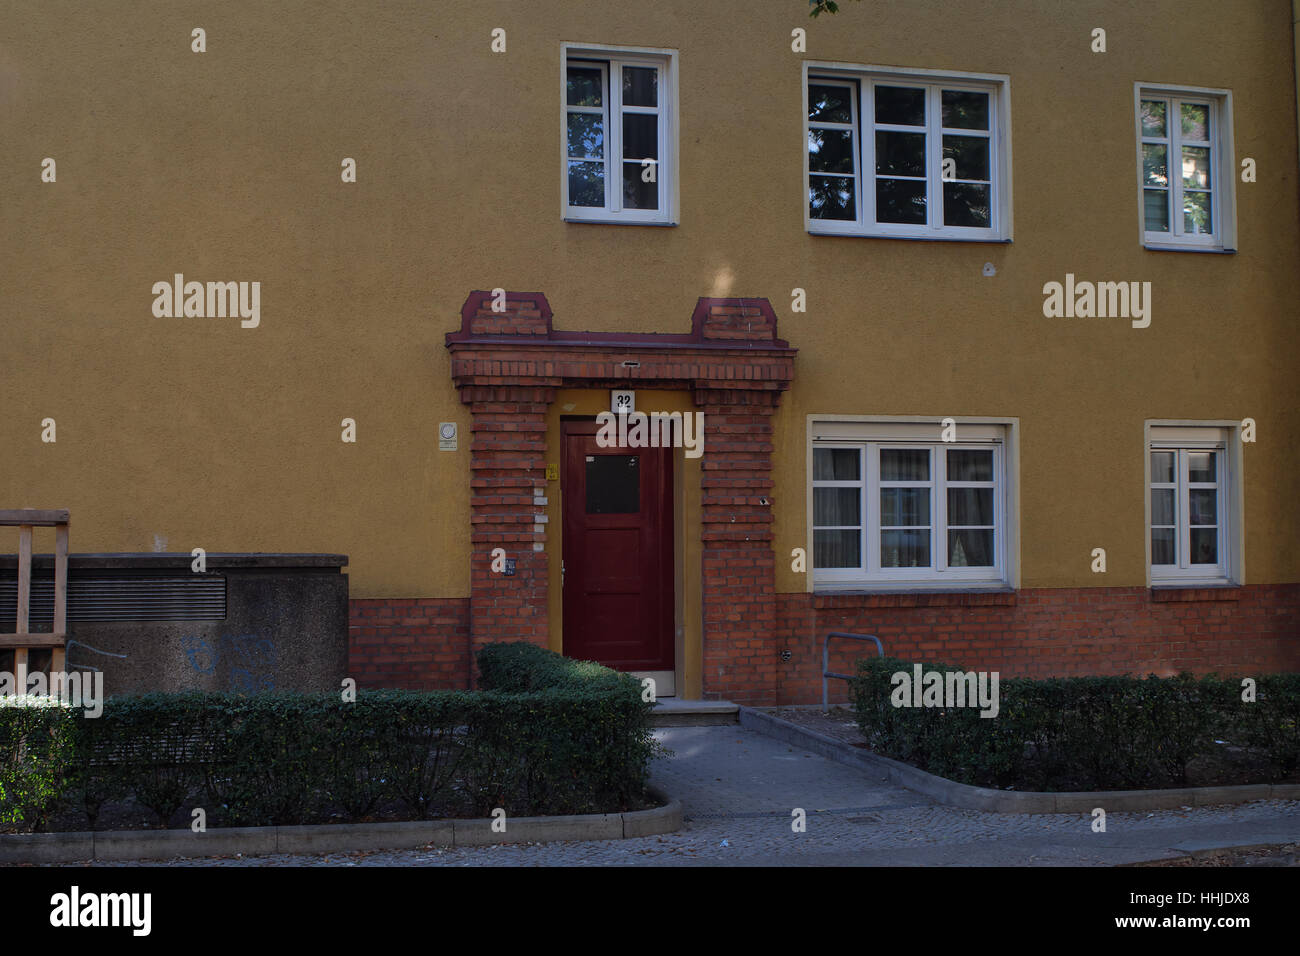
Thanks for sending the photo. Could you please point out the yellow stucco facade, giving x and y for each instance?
(175, 433)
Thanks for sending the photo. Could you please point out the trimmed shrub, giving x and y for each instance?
(550, 736)
(521, 667)
(36, 757)
(1272, 723)
(579, 714)
(1079, 733)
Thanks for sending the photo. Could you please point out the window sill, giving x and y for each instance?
(834, 233)
(1169, 593)
(947, 597)
(1175, 247)
(621, 222)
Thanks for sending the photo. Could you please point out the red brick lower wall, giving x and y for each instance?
(425, 642)
(410, 643)
(1041, 632)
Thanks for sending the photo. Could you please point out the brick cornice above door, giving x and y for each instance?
(732, 346)
(507, 366)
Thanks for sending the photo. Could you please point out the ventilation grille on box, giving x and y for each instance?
(120, 598)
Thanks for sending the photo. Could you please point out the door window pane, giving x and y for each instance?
(613, 484)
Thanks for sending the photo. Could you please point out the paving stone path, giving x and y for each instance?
(739, 788)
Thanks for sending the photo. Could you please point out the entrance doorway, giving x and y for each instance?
(617, 571)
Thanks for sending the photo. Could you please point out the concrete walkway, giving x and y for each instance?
(739, 787)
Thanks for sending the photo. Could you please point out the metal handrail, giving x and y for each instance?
(826, 660)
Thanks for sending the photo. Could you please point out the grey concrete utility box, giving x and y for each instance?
(250, 622)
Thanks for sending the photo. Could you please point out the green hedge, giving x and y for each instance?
(547, 736)
(520, 667)
(1275, 727)
(36, 755)
(1080, 733)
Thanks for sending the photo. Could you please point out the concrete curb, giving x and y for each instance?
(953, 794)
(334, 838)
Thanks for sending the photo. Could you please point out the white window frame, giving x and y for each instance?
(612, 59)
(1182, 437)
(869, 436)
(1223, 168)
(864, 79)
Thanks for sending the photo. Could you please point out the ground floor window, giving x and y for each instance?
(908, 503)
(1190, 488)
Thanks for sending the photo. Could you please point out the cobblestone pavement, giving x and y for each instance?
(739, 789)
(1287, 855)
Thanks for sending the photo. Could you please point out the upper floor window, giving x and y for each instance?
(1184, 138)
(618, 137)
(893, 505)
(906, 154)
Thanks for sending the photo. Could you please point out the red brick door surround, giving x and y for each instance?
(507, 364)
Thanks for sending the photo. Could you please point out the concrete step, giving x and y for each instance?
(672, 712)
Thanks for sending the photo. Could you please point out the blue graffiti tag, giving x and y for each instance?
(195, 646)
(251, 659)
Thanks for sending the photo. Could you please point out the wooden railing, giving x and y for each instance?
(25, 519)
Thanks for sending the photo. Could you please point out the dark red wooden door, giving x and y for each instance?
(617, 552)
